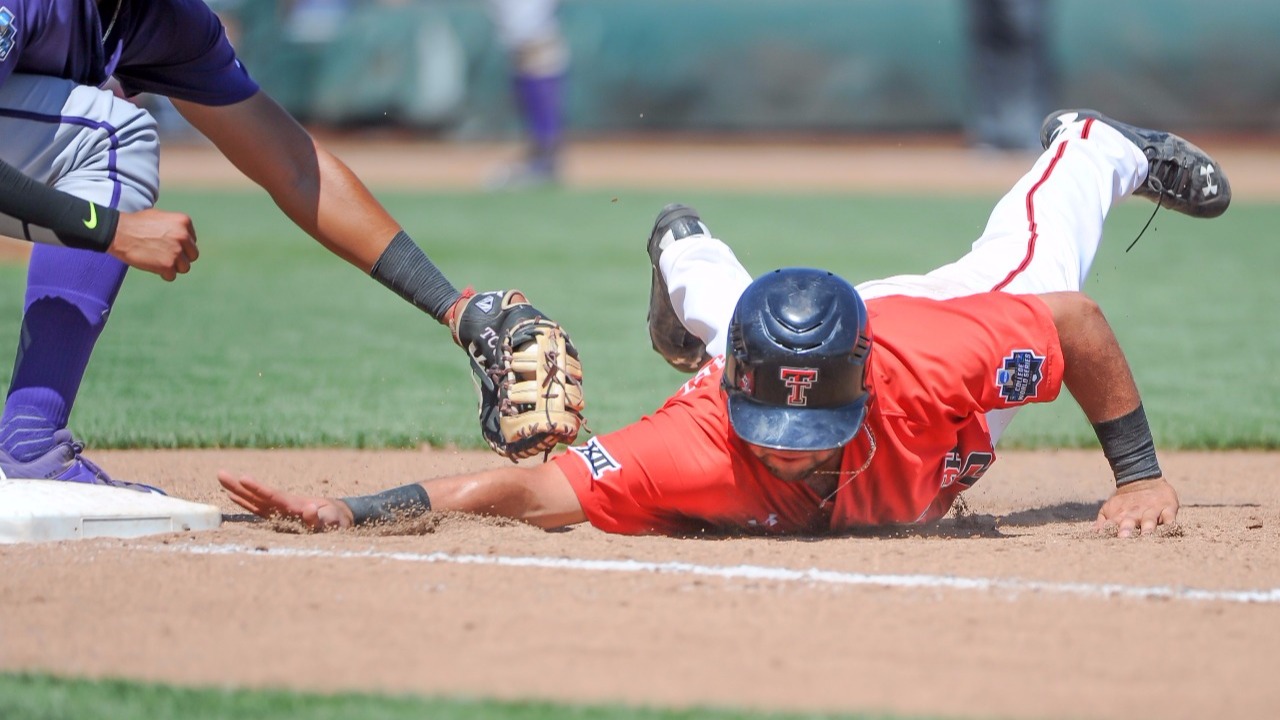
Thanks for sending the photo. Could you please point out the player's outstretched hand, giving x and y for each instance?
(317, 513)
(1139, 506)
(157, 241)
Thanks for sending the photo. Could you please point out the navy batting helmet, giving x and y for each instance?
(795, 372)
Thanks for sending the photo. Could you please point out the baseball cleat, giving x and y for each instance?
(679, 347)
(1180, 176)
(64, 462)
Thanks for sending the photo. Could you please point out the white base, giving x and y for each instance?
(45, 510)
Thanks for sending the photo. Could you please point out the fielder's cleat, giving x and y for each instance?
(679, 347)
(65, 462)
(1180, 176)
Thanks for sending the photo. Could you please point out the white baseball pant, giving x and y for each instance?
(1041, 237)
(81, 140)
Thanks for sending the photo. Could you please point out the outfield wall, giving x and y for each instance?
(766, 65)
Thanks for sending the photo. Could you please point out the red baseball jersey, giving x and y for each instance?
(935, 368)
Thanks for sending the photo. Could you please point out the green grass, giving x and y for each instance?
(273, 342)
(41, 697)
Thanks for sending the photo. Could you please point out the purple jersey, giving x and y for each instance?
(176, 48)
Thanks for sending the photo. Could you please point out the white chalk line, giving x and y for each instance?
(814, 576)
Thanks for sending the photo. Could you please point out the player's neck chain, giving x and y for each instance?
(115, 15)
(871, 452)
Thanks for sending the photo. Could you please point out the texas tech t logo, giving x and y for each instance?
(798, 381)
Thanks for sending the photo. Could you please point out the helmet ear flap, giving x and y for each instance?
(736, 342)
(862, 352)
(734, 367)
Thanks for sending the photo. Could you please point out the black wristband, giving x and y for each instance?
(1129, 447)
(400, 503)
(73, 222)
(409, 273)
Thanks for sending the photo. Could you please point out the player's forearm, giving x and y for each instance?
(539, 495)
(54, 217)
(350, 222)
(1099, 378)
(322, 195)
(1095, 369)
(315, 189)
(334, 207)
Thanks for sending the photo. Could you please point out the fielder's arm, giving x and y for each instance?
(322, 196)
(315, 189)
(1099, 378)
(539, 495)
(153, 240)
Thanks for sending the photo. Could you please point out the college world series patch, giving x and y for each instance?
(1019, 376)
(8, 33)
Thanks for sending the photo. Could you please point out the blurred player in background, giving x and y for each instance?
(539, 60)
(1012, 78)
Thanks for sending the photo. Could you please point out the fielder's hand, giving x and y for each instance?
(317, 513)
(160, 242)
(1139, 505)
(526, 370)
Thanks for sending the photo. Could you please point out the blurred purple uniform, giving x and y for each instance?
(169, 47)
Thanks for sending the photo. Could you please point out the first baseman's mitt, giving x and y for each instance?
(526, 370)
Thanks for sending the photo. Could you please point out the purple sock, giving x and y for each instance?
(539, 99)
(69, 296)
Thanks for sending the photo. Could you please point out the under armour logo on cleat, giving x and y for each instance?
(1210, 187)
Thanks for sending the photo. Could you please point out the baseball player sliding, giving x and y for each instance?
(79, 171)
(825, 407)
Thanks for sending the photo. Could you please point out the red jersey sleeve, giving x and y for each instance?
(632, 481)
(953, 358)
